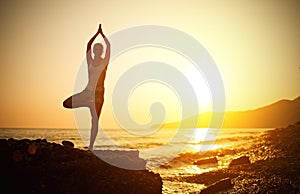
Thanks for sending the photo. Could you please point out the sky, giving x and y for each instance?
(255, 45)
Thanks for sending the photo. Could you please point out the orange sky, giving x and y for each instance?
(255, 45)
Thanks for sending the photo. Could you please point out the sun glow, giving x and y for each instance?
(203, 139)
(233, 37)
(204, 134)
(150, 92)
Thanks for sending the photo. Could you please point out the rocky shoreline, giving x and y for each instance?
(38, 166)
(273, 167)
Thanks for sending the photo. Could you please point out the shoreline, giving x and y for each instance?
(53, 167)
(274, 166)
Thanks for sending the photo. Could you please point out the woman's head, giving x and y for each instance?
(98, 49)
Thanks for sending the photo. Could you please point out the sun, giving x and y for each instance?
(200, 86)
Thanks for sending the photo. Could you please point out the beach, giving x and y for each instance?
(274, 166)
(33, 166)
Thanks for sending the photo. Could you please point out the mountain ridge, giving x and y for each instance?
(278, 114)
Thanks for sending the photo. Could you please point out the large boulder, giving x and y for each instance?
(37, 166)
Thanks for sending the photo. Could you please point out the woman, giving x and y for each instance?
(93, 95)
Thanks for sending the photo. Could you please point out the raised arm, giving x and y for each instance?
(89, 46)
(107, 52)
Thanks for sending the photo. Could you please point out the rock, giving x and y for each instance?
(240, 161)
(122, 159)
(68, 144)
(17, 156)
(32, 148)
(221, 185)
(24, 141)
(212, 160)
(55, 168)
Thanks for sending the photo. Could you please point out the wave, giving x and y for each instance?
(222, 153)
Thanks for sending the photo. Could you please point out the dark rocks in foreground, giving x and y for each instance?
(37, 166)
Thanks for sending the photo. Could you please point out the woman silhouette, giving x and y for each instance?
(93, 95)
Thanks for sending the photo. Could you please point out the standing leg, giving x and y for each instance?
(95, 113)
(94, 129)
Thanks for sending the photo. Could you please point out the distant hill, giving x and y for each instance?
(278, 114)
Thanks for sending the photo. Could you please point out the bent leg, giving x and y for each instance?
(68, 102)
(77, 100)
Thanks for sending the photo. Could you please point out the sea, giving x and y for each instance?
(169, 152)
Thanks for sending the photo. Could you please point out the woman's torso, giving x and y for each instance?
(96, 74)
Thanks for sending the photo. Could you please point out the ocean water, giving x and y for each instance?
(169, 152)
